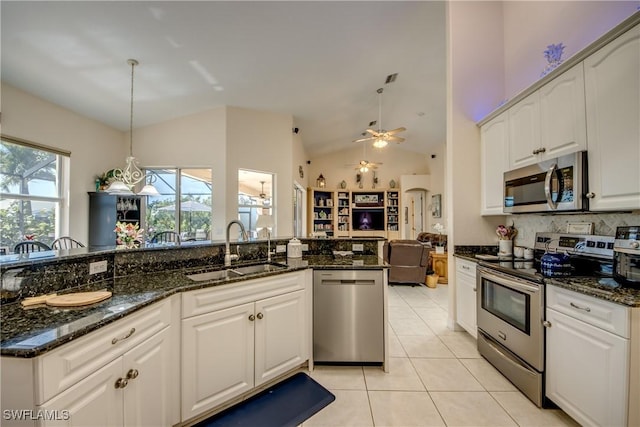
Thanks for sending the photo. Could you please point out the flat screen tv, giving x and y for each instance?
(367, 219)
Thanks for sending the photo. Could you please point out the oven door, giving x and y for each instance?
(510, 310)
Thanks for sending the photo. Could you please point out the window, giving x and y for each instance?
(193, 188)
(255, 197)
(31, 188)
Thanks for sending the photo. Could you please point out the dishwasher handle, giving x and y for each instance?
(341, 282)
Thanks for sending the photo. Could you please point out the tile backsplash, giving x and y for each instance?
(603, 224)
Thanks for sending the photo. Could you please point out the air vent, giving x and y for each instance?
(372, 123)
(391, 78)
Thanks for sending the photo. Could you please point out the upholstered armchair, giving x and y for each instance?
(408, 260)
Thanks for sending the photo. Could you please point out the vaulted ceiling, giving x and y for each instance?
(320, 61)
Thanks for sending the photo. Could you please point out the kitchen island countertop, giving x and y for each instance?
(30, 332)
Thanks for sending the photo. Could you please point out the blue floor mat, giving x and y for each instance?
(287, 403)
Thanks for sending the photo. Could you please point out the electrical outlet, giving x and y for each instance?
(281, 248)
(357, 247)
(305, 247)
(97, 267)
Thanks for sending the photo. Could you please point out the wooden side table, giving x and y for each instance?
(440, 266)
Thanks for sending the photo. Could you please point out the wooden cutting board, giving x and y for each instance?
(78, 299)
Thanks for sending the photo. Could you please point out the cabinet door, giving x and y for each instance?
(280, 330)
(524, 132)
(494, 152)
(151, 397)
(466, 296)
(93, 401)
(613, 125)
(563, 129)
(587, 371)
(217, 358)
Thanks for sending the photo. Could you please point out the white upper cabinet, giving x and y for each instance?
(550, 122)
(613, 123)
(524, 132)
(563, 129)
(494, 157)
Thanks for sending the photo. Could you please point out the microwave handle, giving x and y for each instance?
(547, 186)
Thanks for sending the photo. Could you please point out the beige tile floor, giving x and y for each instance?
(436, 377)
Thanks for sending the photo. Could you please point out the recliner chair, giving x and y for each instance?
(408, 260)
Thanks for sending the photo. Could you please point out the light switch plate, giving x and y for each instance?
(97, 267)
(281, 248)
(357, 247)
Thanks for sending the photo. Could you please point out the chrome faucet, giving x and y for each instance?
(227, 252)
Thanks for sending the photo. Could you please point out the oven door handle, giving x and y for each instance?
(553, 204)
(508, 281)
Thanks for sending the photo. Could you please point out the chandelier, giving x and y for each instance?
(126, 179)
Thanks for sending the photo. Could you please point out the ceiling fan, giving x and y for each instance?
(365, 165)
(382, 137)
(263, 195)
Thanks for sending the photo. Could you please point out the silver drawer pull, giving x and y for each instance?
(115, 340)
(587, 309)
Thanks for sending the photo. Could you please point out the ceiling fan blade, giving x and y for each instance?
(373, 132)
(395, 139)
(394, 131)
(364, 139)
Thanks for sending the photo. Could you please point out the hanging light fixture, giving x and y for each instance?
(321, 182)
(126, 179)
(380, 141)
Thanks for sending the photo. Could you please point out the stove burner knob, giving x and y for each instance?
(546, 324)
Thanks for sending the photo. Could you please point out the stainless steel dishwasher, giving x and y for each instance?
(348, 316)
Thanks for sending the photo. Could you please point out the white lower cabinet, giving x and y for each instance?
(466, 296)
(244, 342)
(587, 362)
(136, 389)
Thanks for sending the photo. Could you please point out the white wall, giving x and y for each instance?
(475, 86)
(197, 141)
(261, 141)
(95, 147)
(530, 26)
(340, 165)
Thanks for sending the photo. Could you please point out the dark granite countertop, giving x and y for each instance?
(604, 288)
(29, 332)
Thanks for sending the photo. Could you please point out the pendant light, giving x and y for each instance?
(126, 179)
(380, 141)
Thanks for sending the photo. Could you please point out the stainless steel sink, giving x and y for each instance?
(235, 272)
(213, 275)
(258, 268)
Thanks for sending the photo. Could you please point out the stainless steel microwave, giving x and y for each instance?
(558, 184)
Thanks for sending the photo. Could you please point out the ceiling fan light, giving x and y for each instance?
(380, 143)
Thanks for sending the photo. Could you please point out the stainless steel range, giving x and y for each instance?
(511, 303)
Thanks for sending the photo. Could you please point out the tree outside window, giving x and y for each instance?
(30, 193)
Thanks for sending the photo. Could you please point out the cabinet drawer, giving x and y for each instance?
(465, 267)
(219, 297)
(70, 363)
(602, 314)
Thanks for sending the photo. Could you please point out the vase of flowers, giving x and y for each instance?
(506, 236)
(128, 235)
(439, 244)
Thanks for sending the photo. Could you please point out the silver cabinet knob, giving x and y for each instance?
(260, 315)
(121, 383)
(546, 324)
(252, 317)
(590, 195)
(132, 374)
(542, 150)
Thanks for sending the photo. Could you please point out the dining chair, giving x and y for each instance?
(66, 242)
(30, 246)
(166, 237)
